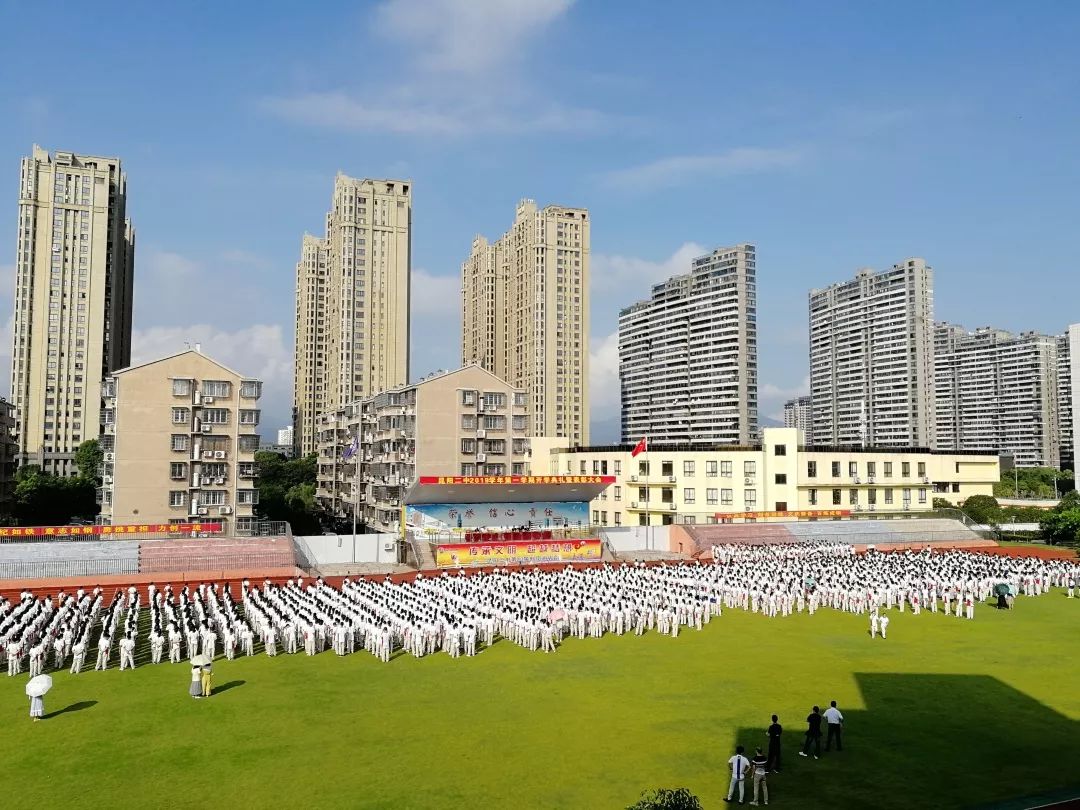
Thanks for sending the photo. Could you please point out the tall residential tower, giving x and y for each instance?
(872, 359)
(688, 355)
(352, 302)
(525, 314)
(74, 271)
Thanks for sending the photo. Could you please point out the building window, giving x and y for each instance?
(781, 478)
(618, 518)
(468, 422)
(781, 506)
(871, 468)
(836, 469)
(180, 442)
(496, 447)
(780, 450)
(725, 469)
(248, 444)
(922, 495)
(689, 520)
(689, 494)
(750, 497)
(836, 497)
(251, 389)
(710, 469)
(853, 468)
(468, 446)
(618, 467)
(249, 416)
(468, 397)
(618, 493)
(178, 470)
(180, 416)
(468, 469)
(247, 496)
(688, 468)
(871, 497)
(495, 422)
(181, 388)
(853, 496)
(907, 496)
(216, 388)
(177, 497)
(520, 422)
(888, 496)
(812, 496)
(922, 469)
(596, 466)
(215, 416)
(749, 468)
(214, 497)
(811, 469)
(727, 497)
(711, 497)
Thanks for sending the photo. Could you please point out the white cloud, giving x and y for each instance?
(259, 350)
(466, 36)
(632, 277)
(7, 280)
(677, 170)
(169, 266)
(771, 397)
(434, 295)
(443, 115)
(604, 396)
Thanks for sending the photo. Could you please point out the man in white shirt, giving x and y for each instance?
(740, 765)
(883, 623)
(835, 722)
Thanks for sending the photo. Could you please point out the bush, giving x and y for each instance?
(665, 799)
(983, 509)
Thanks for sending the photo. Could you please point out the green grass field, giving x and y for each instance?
(945, 713)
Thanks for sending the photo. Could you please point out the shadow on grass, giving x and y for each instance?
(74, 707)
(225, 687)
(958, 740)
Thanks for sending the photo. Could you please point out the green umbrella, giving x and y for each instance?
(1001, 589)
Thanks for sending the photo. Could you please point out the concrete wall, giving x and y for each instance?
(638, 538)
(333, 549)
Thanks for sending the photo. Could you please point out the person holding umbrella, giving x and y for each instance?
(195, 689)
(36, 688)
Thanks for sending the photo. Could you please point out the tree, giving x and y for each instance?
(983, 509)
(942, 503)
(1061, 528)
(88, 458)
(667, 799)
(45, 500)
(287, 491)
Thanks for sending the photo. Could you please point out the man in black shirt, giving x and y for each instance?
(773, 733)
(813, 734)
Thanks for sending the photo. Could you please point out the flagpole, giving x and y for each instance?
(648, 494)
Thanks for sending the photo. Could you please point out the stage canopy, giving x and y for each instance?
(507, 489)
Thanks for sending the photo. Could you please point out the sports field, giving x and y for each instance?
(945, 713)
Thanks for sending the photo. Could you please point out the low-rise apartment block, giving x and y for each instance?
(179, 438)
(465, 422)
(690, 485)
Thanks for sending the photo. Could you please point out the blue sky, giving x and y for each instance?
(833, 136)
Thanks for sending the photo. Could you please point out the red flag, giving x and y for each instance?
(640, 447)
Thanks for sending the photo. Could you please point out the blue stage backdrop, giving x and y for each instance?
(492, 515)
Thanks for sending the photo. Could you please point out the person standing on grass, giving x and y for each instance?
(883, 622)
(37, 707)
(813, 734)
(774, 731)
(740, 765)
(760, 763)
(873, 623)
(207, 675)
(195, 688)
(835, 721)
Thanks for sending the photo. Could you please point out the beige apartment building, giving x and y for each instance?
(693, 485)
(525, 314)
(352, 302)
(9, 449)
(74, 261)
(179, 440)
(465, 422)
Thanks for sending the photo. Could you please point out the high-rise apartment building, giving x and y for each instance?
(872, 359)
(352, 301)
(996, 391)
(285, 436)
(798, 414)
(525, 314)
(74, 266)
(179, 443)
(1069, 395)
(466, 422)
(688, 355)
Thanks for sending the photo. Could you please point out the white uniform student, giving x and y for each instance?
(740, 765)
(884, 623)
(873, 624)
(157, 644)
(78, 656)
(127, 653)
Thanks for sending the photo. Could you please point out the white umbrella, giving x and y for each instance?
(200, 660)
(38, 685)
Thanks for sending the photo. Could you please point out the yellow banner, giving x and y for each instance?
(454, 554)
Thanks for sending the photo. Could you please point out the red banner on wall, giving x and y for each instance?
(134, 528)
(516, 479)
(805, 513)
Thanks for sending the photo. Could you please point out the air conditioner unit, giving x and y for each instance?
(107, 479)
(633, 479)
(219, 454)
(208, 454)
(858, 508)
(671, 479)
(748, 480)
(855, 479)
(481, 434)
(481, 457)
(870, 480)
(873, 507)
(387, 546)
(110, 456)
(220, 481)
(225, 510)
(204, 511)
(926, 479)
(207, 429)
(208, 400)
(207, 480)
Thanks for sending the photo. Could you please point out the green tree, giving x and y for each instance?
(88, 458)
(1061, 528)
(983, 509)
(667, 799)
(44, 500)
(287, 491)
(943, 503)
